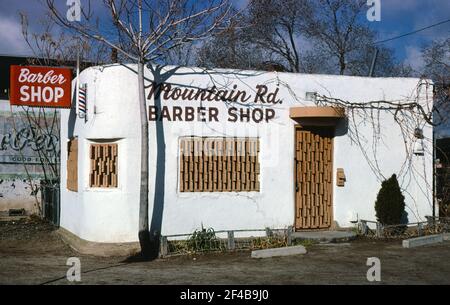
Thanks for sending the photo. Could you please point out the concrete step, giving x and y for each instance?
(324, 236)
(423, 240)
(276, 252)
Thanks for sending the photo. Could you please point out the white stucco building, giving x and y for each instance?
(292, 173)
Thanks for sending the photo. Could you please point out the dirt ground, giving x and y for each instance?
(32, 253)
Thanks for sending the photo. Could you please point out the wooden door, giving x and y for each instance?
(313, 174)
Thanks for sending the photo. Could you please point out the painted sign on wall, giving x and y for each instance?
(36, 86)
(242, 105)
(21, 142)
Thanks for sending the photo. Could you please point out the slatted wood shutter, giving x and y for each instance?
(103, 171)
(219, 164)
(314, 165)
(72, 165)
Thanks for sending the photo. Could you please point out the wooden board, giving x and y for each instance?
(72, 165)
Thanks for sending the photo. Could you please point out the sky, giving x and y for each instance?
(404, 16)
(397, 17)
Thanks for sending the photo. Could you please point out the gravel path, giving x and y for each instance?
(32, 253)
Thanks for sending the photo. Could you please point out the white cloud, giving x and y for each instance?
(414, 58)
(12, 41)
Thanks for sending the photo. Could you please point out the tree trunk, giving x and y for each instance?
(342, 65)
(144, 234)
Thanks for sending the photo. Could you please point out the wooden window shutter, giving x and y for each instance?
(103, 167)
(72, 165)
(219, 164)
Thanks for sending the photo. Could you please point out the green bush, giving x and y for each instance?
(390, 203)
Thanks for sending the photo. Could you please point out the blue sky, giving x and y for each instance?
(397, 17)
(403, 16)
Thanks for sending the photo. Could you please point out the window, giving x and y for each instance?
(72, 165)
(219, 164)
(103, 171)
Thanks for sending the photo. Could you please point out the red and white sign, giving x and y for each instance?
(40, 86)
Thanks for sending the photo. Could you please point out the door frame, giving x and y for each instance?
(297, 127)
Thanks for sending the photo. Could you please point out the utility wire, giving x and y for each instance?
(414, 32)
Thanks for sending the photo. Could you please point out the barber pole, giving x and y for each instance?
(82, 92)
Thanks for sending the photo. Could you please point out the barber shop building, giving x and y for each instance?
(237, 150)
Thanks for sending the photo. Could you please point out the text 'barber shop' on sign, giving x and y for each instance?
(40, 86)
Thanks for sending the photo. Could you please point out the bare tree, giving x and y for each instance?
(41, 125)
(276, 25)
(337, 32)
(325, 36)
(437, 61)
(183, 55)
(265, 35)
(52, 47)
(344, 43)
(232, 49)
(437, 67)
(144, 32)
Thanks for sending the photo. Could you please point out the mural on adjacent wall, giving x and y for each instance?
(27, 140)
(21, 140)
(29, 152)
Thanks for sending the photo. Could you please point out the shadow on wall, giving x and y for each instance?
(161, 74)
(341, 127)
(160, 175)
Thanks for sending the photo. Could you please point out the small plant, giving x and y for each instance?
(268, 242)
(178, 247)
(390, 203)
(204, 240)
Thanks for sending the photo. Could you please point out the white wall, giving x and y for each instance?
(112, 215)
(103, 214)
